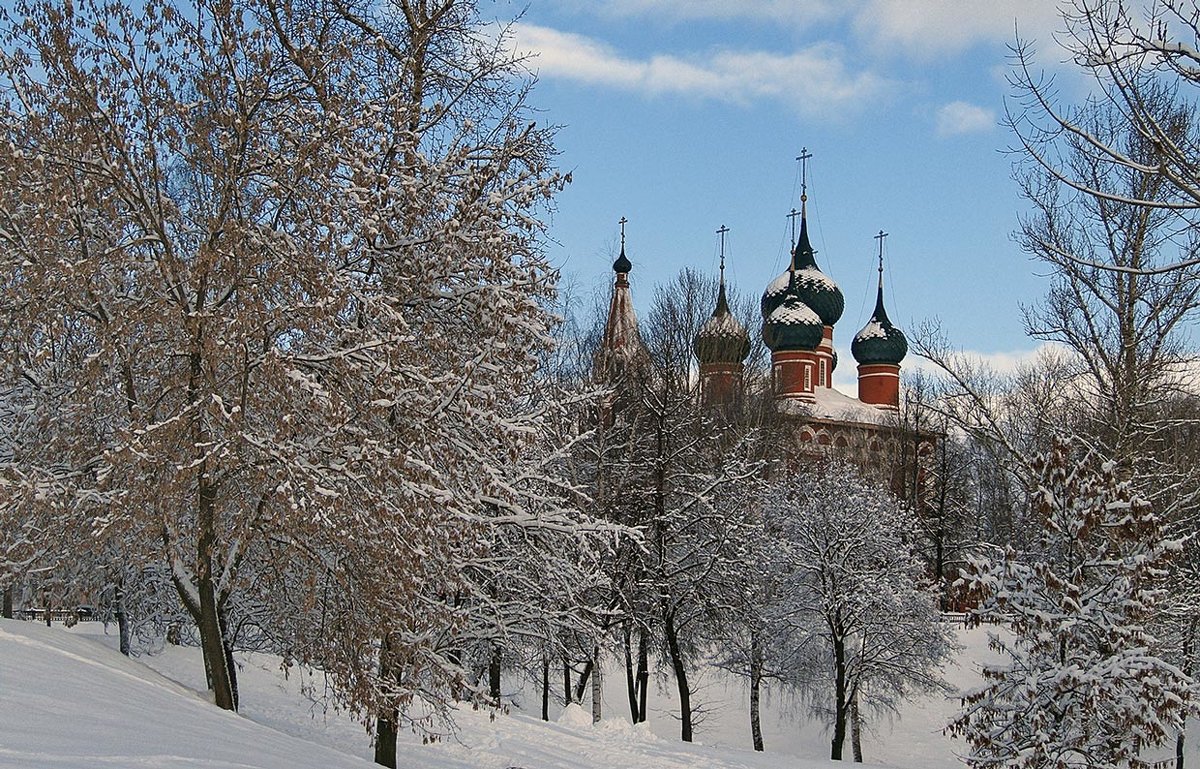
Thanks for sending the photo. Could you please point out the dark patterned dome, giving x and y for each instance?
(792, 325)
(879, 341)
(722, 339)
(815, 288)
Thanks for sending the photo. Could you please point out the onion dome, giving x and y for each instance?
(792, 325)
(815, 288)
(722, 339)
(879, 341)
(622, 265)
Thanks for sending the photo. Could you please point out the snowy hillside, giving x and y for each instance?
(67, 699)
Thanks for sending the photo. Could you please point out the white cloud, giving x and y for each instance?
(792, 11)
(960, 117)
(928, 27)
(917, 28)
(814, 80)
(1001, 363)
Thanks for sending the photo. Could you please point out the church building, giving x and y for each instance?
(800, 309)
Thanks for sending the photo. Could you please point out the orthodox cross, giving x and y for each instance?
(722, 232)
(880, 238)
(792, 216)
(803, 158)
(622, 223)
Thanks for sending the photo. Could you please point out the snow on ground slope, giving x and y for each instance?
(68, 699)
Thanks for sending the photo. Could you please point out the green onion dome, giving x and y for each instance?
(815, 288)
(722, 339)
(622, 264)
(792, 325)
(879, 341)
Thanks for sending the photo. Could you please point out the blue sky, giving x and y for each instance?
(684, 115)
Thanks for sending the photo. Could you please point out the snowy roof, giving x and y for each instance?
(874, 329)
(794, 313)
(808, 277)
(835, 405)
(792, 326)
(879, 341)
(722, 339)
(723, 325)
(815, 289)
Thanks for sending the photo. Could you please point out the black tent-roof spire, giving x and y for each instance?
(803, 253)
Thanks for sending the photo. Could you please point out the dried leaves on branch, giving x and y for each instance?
(272, 298)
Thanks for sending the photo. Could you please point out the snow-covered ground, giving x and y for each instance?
(68, 699)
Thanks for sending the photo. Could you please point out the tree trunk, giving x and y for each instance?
(756, 675)
(227, 640)
(566, 682)
(121, 617)
(839, 694)
(643, 672)
(388, 717)
(545, 687)
(940, 565)
(456, 687)
(596, 685)
(581, 684)
(1189, 638)
(855, 730)
(7, 610)
(494, 675)
(630, 676)
(685, 694)
(212, 645)
(385, 739)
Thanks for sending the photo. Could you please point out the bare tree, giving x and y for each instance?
(1124, 327)
(1142, 59)
(852, 614)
